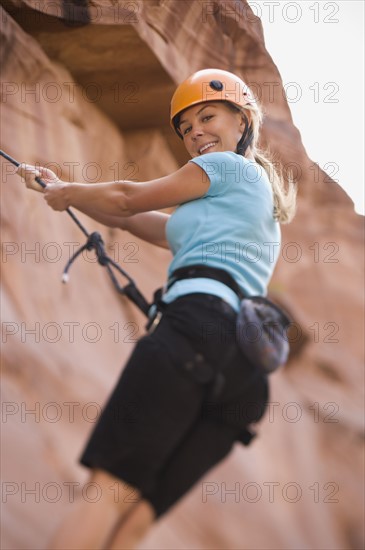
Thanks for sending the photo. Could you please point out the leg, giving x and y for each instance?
(208, 442)
(91, 523)
(205, 446)
(134, 527)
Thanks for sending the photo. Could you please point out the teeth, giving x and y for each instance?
(206, 146)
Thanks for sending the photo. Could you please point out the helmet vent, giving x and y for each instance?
(216, 85)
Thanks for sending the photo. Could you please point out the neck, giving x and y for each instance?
(249, 154)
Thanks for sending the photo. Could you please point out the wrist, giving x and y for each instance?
(67, 191)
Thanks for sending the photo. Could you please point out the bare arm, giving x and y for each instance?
(110, 202)
(148, 226)
(123, 198)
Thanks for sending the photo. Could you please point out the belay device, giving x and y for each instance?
(95, 242)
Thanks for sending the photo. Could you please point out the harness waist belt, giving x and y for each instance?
(202, 271)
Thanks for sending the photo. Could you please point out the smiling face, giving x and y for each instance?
(211, 127)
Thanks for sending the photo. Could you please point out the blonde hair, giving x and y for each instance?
(284, 192)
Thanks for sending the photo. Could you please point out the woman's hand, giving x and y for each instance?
(55, 190)
(56, 195)
(29, 173)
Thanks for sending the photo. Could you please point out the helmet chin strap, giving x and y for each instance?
(246, 138)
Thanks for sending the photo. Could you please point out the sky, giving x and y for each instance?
(318, 48)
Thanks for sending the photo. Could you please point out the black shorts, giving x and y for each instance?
(183, 399)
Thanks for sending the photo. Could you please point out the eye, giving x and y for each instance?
(207, 117)
(186, 130)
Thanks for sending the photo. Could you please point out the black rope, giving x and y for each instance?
(96, 243)
(42, 184)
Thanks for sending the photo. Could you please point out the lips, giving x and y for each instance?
(207, 146)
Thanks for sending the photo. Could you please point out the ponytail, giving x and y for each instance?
(284, 198)
(284, 193)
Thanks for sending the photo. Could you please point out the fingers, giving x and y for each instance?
(28, 173)
(48, 176)
(56, 196)
(54, 192)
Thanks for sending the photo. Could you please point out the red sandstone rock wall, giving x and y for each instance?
(300, 484)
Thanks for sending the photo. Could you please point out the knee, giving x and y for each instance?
(142, 517)
(114, 491)
(134, 527)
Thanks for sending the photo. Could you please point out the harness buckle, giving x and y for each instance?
(154, 321)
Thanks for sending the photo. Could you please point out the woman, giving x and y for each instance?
(193, 391)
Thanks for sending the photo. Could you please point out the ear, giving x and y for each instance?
(245, 119)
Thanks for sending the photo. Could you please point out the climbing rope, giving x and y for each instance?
(96, 243)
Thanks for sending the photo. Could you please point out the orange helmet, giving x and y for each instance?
(208, 85)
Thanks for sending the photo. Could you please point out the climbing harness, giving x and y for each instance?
(96, 243)
(261, 325)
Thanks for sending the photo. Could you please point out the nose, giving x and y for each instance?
(196, 132)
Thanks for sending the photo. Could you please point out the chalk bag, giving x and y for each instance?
(261, 333)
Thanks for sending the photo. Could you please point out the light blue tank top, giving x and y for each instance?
(231, 227)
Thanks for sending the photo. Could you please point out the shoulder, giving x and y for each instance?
(228, 166)
(217, 158)
(228, 160)
(221, 166)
